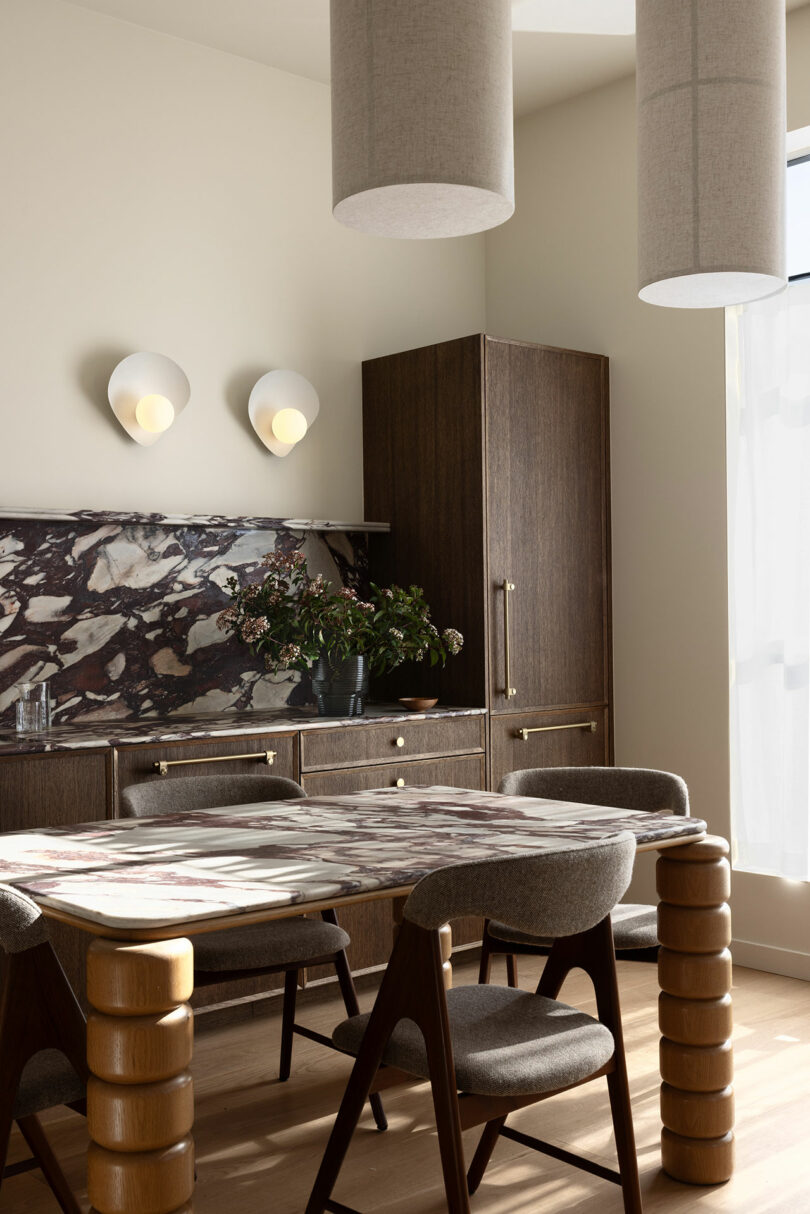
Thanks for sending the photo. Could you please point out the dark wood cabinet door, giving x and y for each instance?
(547, 494)
(423, 473)
(57, 789)
(577, 738)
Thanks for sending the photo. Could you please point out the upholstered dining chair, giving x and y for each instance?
(284, 946)
(42, 1040)
(502, 1049)
(635, 931)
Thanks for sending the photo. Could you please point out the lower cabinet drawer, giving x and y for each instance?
(466, 771)
(326, 749)
(211, 756)
(570, 738)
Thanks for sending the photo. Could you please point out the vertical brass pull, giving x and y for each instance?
(509, 690)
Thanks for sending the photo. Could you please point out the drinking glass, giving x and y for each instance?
(30, 716)
(33, 706)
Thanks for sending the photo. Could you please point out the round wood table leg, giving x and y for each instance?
(140, 1102)
(445, 940)
(694, 1012)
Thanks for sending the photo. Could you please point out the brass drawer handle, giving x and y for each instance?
(400, 742)
(400, 783)
(509, 690)
(267, 757)
(524, 733)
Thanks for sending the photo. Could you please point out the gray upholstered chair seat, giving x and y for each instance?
(268, 944)
(505, 1042)
(634, 926)
(48, 1080)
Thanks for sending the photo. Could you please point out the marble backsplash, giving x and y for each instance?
(119, 611)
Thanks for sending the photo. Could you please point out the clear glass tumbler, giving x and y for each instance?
(33, 707)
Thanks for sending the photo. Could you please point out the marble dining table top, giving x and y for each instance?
(185, 870)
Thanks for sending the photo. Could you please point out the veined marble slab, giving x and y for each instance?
(119, 611)
(179, 869)
(208, 725)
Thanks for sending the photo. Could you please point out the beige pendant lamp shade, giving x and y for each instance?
(710, 85)
(422, 116)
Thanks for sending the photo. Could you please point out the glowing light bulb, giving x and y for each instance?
(154, 413)
(289, 425)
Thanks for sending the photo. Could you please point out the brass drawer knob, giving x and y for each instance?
(400, 783)
(400, 741)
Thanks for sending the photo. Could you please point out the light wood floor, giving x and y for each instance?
(259, 1142)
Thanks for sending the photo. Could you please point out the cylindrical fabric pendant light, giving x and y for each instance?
(422, 116)
(710, 82)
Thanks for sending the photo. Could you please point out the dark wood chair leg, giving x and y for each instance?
(287, 1024)
(619, 1092)
(6, 1120)
(40, 1148)
(485, 967)
(393, 1001)
(483, 1153)
(511, 970)
(347, 990)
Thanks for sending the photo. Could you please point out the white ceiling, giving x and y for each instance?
(294, 35)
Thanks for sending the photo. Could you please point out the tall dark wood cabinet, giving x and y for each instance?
(490, 459)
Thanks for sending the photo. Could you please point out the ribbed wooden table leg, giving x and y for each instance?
(445, 939)
(694, 1011)
(140, 1103)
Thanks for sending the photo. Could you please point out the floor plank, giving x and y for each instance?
(259, 1142)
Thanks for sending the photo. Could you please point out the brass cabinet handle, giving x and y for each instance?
(509, 690)
(267, 757)
(524, 733)
(400, 742)
(400, 782)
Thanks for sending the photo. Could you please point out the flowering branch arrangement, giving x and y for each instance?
(291, 618)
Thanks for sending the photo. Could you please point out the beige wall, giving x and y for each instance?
(563, 271)
(158, 195)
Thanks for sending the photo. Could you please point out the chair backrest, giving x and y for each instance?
(622, 787)
(182, 794)
(549, 893)
(22, 924)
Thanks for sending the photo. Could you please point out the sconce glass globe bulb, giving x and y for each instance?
(289, 425)
(154, 413)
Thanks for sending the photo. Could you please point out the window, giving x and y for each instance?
(768, 396)
(798, 218)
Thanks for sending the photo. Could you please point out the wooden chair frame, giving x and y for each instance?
(492, 946)
(38, 1011)
(417, 952)
(289, 1026)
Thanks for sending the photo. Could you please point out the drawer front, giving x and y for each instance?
(324, 749)
(210, 756)
(56, 789)
(564, 739)
(465, 772)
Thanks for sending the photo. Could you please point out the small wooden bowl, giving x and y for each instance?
(418, 703)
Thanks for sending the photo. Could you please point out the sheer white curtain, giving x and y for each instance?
(768, 389)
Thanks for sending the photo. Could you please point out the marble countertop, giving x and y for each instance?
(240, 523)
(88, 735)
(180, 870)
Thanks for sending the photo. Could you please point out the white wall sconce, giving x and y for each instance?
(282, 407)
(147, 393)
